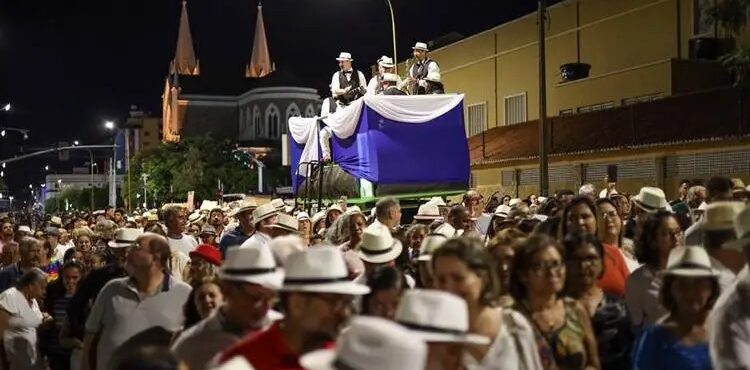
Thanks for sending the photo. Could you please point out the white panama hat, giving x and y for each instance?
(430, 244)
(252, 263)
(692, 261)
(428, 211)
(124, 237)
(420, 46)
(320, 270)
(651, 200)
(345, 56)
(378, 246)
(371, 343)
(437, 316)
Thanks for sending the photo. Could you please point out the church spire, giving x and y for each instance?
(184, 59)
(260, 61)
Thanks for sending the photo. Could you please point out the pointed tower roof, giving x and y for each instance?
(260, 61)
(184, 58)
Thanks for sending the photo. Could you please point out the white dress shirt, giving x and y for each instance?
(642, 296)
(729, 327)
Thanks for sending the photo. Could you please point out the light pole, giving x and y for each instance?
(145, 199)
(393, 32)
(111, 126)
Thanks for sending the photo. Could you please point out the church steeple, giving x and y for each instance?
(260, 61)
(184, 61)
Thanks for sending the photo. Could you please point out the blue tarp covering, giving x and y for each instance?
(386, 151)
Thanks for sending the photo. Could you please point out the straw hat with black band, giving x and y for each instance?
(378, 246)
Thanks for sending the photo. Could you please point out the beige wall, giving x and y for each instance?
(629, 43)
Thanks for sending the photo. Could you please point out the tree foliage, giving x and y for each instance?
(193, 164)
(732, 16)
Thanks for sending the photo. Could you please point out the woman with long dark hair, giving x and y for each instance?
(659, 235)
(386, 284)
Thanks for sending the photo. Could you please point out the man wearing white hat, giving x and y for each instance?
(243, 231)
(181, 244)
(249, 280)
(423, 66)
(285, 225)
(717, 189)
(718, 229)
(371, 343)
(390, 85)
(316, 297)
(385, 65)
(264, 217)
(347, 84)
(729, 337)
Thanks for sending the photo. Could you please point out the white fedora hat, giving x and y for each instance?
(209, 205)
(195, 217)
(345, 56)
(390, 77)
(318, 217)
(303, 216)
(514, 202)
(279, 204)
(428, 211)
(651, 199)
(386, 61)
(430, 243)
(55, 221)
(720, 215)
(502, 211)
(378, 246)
(742, 229)
(252, 263)
(320, 270)
(437, 316)
(371, 343)
(353, 209)
(24, 229)
(287, 222)
(263, 212)
(692, 261)
(246, 204)
(124, 237)
(420, 46)
(334, 207)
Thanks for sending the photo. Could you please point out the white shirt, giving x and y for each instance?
(504, 352)
(726, 275)
(694, 233)
(642, 296)
(448, 230)
(729, 327)
(20, 338)
(335, 81)
(186, 244)
(432, 66)
(260, 238)
(179, 264)
(61, 249)
(372, 86)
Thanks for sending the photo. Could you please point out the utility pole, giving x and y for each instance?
(543, 132)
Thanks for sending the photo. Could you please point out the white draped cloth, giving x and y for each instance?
(343, 122)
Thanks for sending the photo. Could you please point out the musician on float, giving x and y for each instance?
(385, 65)
(419, 70)
(390, 85)
(347, 84)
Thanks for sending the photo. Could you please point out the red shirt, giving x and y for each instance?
(615, 272)
(265, 350)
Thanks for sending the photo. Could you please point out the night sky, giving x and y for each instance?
(67, 66)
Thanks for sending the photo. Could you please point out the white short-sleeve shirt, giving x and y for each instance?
(20, 338)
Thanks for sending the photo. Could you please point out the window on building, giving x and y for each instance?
(596, 107)
(476, 118)
(515, 109)
(273, 120)
(701, 23)
(642, 99)
(257, 122)
(291, 111)
(310, 111)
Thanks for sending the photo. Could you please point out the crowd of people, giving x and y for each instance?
(578, 280)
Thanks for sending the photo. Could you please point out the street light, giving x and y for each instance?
(46, 167)
(109, 125)
(75, 143)
(6, 107)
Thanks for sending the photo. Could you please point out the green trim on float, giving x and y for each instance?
(413, 196)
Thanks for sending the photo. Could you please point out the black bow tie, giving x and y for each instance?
(347, 72)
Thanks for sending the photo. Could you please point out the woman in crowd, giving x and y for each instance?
(204, 261)
(584, 260)
(50, 267)
(463, 267)
(20, 317)
(565, 338)
(206, 298)
(318, 222)
(660, 234)
(59, 293)
(610, 231)
(305, 227)
(425, 277)
(680, 341)
(346, 231)
(580, 216)
(386, 286)
(502, 248)
(83, 240)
